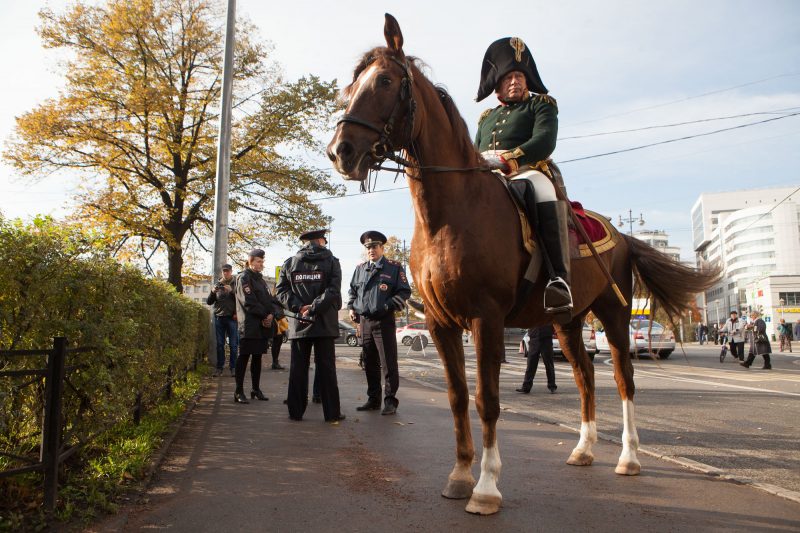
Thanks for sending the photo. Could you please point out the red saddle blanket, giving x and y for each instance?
(595, 229)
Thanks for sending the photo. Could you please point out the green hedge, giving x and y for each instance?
(59, 281)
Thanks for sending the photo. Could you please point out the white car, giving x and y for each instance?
(588, 342)
(406, 334)
(643, 339)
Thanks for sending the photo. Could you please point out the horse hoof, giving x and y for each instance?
(628, 468)
(458, 489)
(484, 504)
(580, 459)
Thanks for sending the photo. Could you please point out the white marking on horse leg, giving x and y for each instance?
(582, 454)
(486, 499)
(628, 463)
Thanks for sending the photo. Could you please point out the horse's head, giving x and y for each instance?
(380, 111)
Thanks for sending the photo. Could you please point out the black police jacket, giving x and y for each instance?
(254, 303)
(224, 302)
(376, 291)
(312, 277)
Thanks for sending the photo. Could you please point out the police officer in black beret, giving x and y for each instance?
(378, 289)
(257, 312)
(310, 286)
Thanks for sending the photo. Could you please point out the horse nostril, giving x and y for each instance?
(331, 155)
(344, 149)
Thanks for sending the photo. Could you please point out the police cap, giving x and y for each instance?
(226, 266)
(373, 237)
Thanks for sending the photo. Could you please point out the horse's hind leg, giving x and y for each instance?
(571, 339)
(616, 322)
(486, 499)
(451, 351)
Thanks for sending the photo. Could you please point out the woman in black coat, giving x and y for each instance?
(257, 312)
(759, 342)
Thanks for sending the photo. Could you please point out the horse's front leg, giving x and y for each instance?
(571, 338)
(451, 351)
(486, 499)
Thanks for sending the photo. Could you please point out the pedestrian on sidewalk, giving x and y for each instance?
(379, 288)
(540, 342)
(223, 298)
(310, 286)
(715, 333)
(734, 331)
(785, 336)
(277, 342)
(258, 312)
(759, 342)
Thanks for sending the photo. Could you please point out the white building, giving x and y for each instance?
(776, 298)
(751, 235)
(659, 240)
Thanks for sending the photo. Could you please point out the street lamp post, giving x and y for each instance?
(630, 220)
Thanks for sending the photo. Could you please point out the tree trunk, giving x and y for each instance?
(175, 258)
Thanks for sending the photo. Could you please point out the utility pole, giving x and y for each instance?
(405, 267)
(223, 179)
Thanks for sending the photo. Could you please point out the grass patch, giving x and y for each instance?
(93, 481)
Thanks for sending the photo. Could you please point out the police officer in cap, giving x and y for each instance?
(310, 287)
(517, 137)
(378, 289)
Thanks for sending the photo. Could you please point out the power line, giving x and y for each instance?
(668, 141)
(711, 119)
(786, 75)
(771, 209)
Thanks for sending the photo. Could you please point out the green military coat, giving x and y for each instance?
(525, 131)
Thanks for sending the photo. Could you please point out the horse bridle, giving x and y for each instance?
(383, 148)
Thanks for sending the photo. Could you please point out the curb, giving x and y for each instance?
(674, 459)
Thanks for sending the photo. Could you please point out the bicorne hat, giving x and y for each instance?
(503, 56)
(314, 234)
(373, 237)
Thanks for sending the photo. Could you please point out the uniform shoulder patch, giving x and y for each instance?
(546, 98)
(484, 115)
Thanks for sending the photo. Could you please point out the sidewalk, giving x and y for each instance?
(249, 468)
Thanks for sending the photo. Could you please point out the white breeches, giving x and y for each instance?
(542, 185)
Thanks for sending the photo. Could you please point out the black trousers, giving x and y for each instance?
(277, 341)
(325, 363)
(255, 370)
(536, 348)
(737, 350)
(380, 353)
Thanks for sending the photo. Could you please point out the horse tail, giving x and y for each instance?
(671, 284)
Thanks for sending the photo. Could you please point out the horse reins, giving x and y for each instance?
(383, 148)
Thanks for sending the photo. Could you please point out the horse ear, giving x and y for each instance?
(394, 37)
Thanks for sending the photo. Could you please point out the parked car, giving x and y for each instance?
(514, 336)
(347, 334)
(660, 340)
(405, 335)
(589, 342)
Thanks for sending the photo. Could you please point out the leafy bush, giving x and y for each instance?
(59, 281)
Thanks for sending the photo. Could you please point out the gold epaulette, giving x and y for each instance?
(546, 98)
(484, 115)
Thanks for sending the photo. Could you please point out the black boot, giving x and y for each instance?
(553, 233)
(256, 393)
(750, 359)
(371, 405)
(767, 363)
(239, 397)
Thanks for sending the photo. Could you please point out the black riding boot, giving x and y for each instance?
(767, 363)
(554, 235)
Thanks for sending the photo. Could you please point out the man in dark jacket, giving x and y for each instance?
(310, 287)
(223, 298)
(540, 342)
(379, 288)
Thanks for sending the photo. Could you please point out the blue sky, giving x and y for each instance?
(612, 66)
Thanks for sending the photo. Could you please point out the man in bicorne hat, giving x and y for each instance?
(517, 138)
(379, 288)
(310, 287)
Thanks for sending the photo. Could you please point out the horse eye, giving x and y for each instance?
(385, 81)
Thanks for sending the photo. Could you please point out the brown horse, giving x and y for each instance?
(468, 259)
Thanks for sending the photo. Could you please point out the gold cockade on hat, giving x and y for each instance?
(518, 46)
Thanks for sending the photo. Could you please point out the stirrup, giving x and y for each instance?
(567, 306)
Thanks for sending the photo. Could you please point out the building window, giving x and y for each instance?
(789, 298)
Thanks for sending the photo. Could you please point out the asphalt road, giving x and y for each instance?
(248, 468)
(744, 422)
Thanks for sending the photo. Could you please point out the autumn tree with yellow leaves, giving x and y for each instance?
(137, 123)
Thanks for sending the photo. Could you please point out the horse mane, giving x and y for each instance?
(461, 136)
